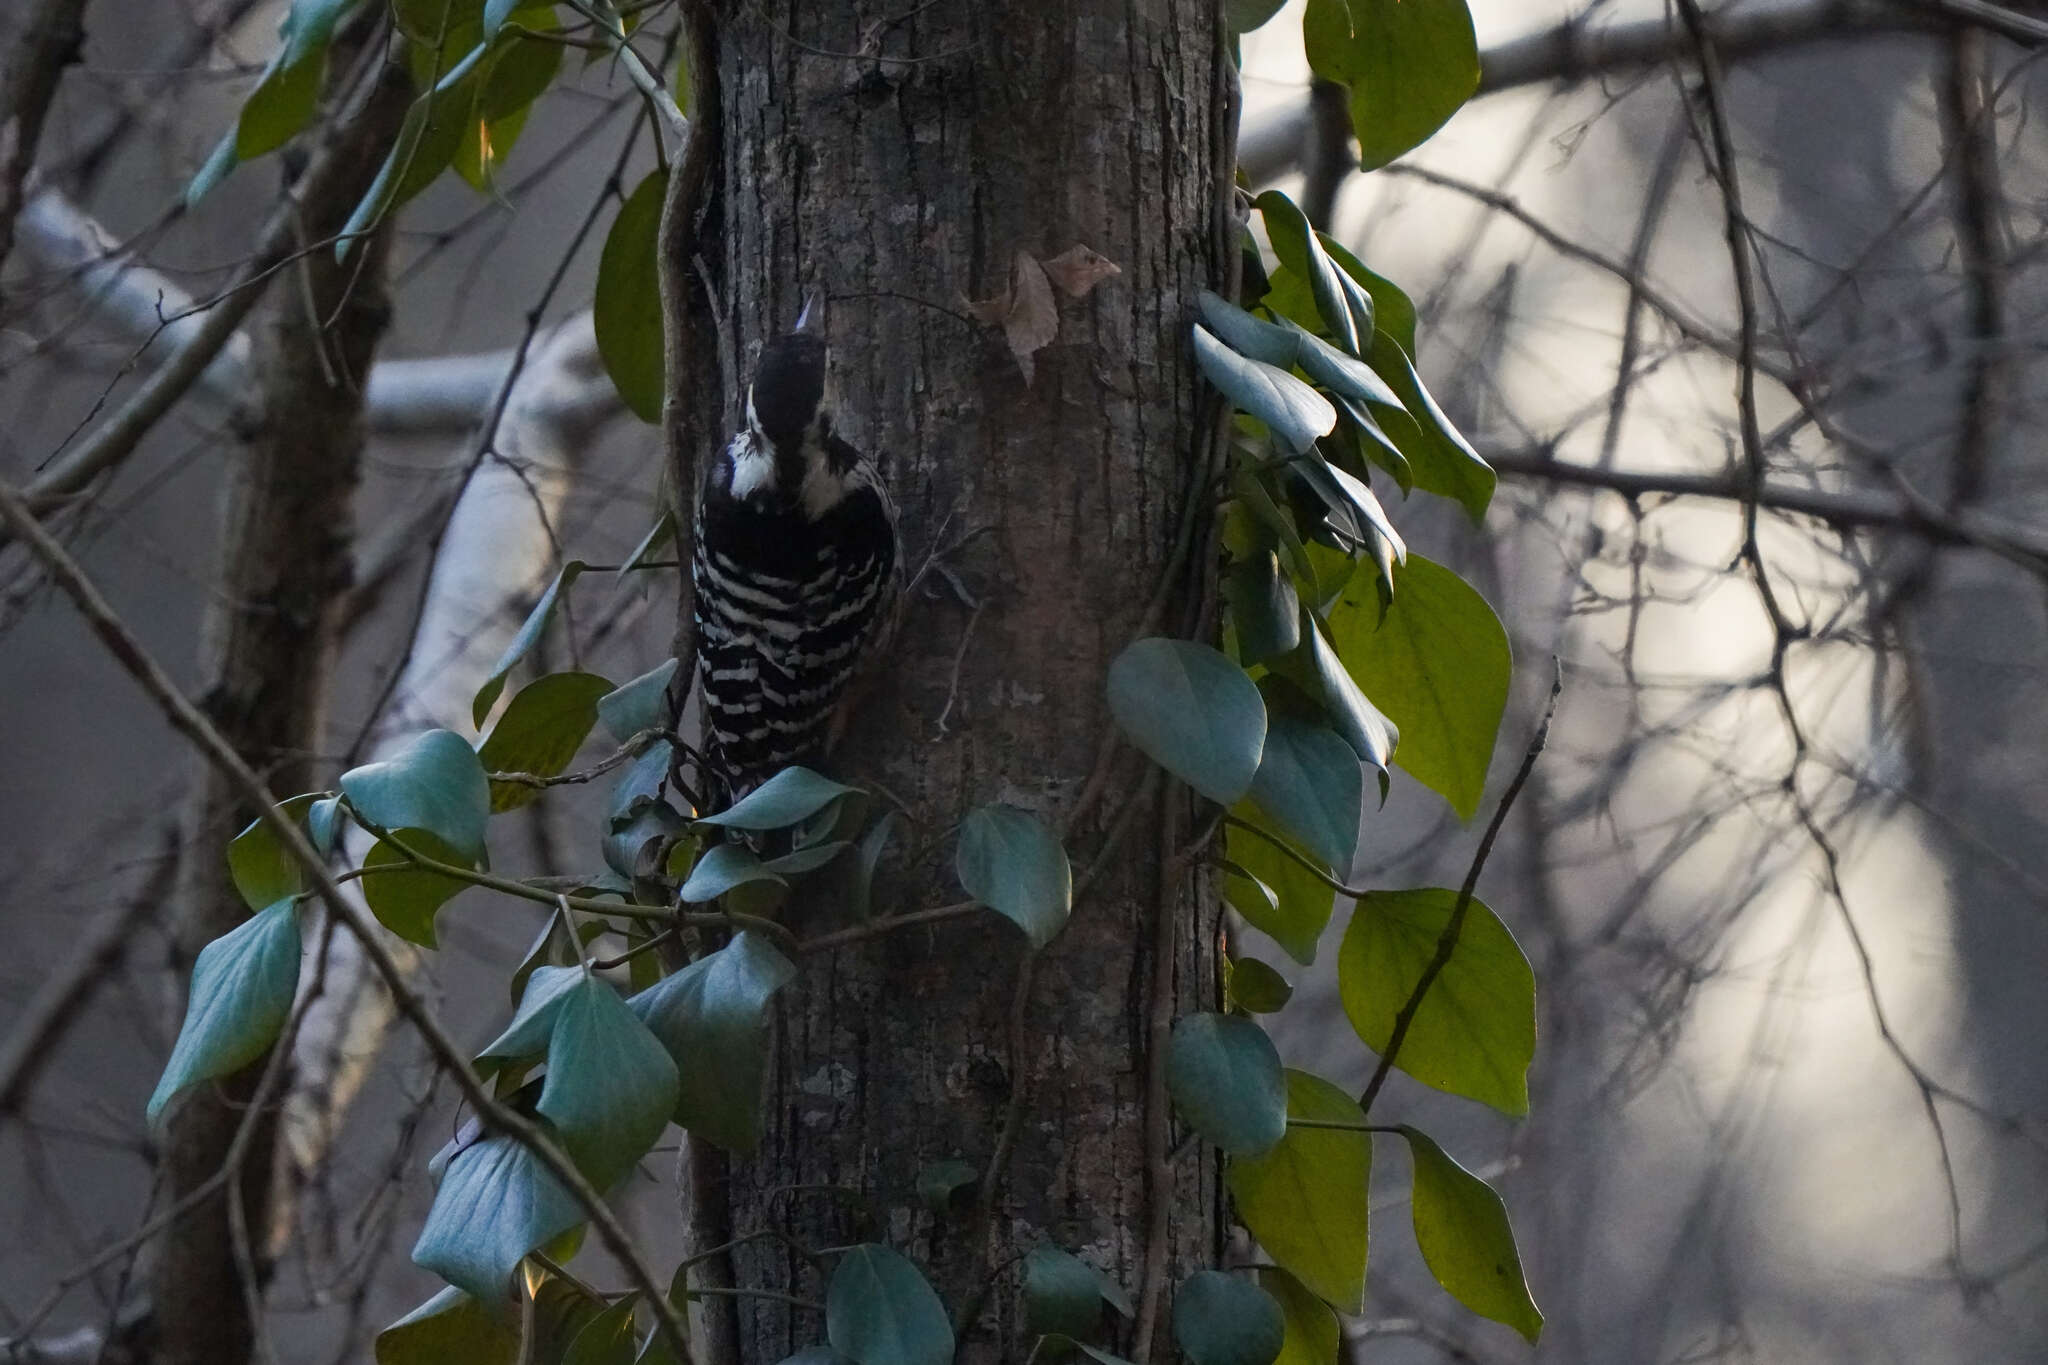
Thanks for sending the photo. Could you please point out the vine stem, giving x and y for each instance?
(1447, 942)
(189, 721)
(1325, 878)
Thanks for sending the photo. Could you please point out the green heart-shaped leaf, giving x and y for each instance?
(1475, 1031)
(1409, 64)
(259, 864)
(1305, 1200)
(1466, 1240)
(626, 304)
(544, 725)
(1440, 665)
(450, 1329)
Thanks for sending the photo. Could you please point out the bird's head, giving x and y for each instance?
(789, 402)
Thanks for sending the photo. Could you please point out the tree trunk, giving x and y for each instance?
(267, 654)
(895, 186)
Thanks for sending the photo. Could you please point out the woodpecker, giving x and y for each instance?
(795, 566)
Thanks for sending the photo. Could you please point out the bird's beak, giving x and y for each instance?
(812, 319)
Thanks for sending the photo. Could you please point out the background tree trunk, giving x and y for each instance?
(898, 185)
(267, 655)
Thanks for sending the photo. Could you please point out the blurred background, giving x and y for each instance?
(1779, 872)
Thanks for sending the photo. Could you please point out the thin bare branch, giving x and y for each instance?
(190, 722)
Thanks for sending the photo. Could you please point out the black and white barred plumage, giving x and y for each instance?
(795, 568)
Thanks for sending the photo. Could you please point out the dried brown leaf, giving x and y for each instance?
(1079, 269)
(1034, 319)
(1026, 310)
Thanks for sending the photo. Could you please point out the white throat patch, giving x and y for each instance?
(753, 459)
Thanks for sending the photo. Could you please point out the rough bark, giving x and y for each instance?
(44, 38)
(267, 652)
(896, 187)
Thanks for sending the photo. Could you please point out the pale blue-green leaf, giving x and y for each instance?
(1341, 374)
(1062, 1293)
(1388, 306)
(1376, 444)
(788, 798)
(867, 858)
(644, 782)
(1224, 1075)
(213, 170)
(1351, 499)
(623, 848)
(639, 705)
(722, 868)
(611, 1084)
(1467, 1242)
(1248, 335)
(241, 993)
(1369, 733)
(434, 783)
(1301, 251)
(323, 824)
(1219, 1319)
(807, 859)
(495, 1204)
(1296, 413)
(533, 1023)
(712, 1018)
(1309, 785)
(1011, 861)
(880, 1310)
(1192, 711)
(1264, 608)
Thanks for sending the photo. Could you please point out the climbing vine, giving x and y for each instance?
(646, 999)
